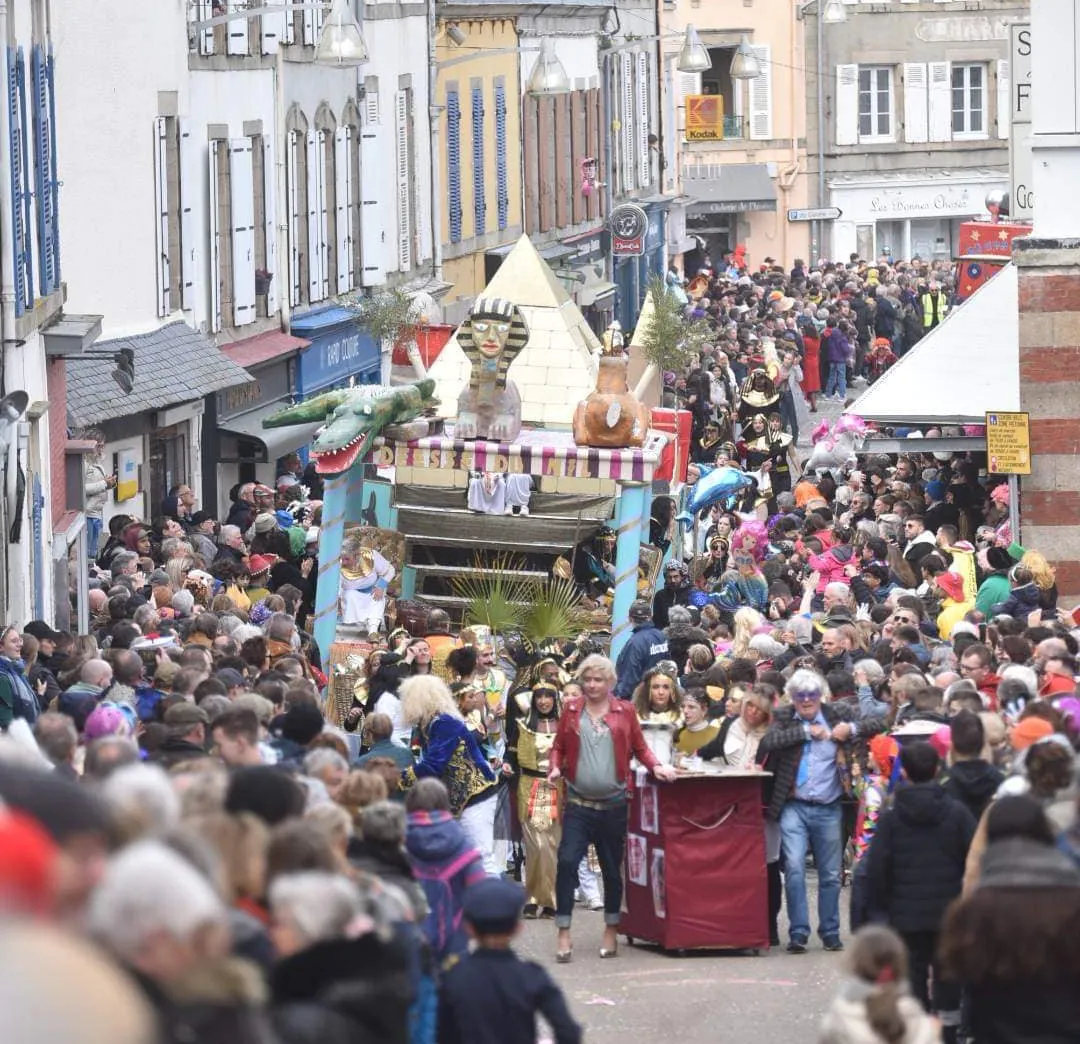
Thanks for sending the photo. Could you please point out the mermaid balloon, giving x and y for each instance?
(715, 486)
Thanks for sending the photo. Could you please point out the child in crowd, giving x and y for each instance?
(873, 792)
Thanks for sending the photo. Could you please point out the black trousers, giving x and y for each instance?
(926, 982)
(605, 829)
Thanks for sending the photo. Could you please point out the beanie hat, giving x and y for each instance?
(265, 523)
(998, 558)
(935, 489)
(106, 720)
(1026, 732)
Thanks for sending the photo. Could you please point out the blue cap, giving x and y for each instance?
(493, 906)
(284, 519)
(935, 489)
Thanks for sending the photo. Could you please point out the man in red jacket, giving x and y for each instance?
(596, 738)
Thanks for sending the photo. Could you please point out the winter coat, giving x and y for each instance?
(680, 637)
(646, 648)
(830, 566)
(885, 318)
(784, 742)
(1020, 604)
(973, 784)
(916, 863)
(95, 489)
(664, 599)
(343, 991)
(846, 1020)
(445, 863)
(994, 589)
(840, 350)
(917, 548)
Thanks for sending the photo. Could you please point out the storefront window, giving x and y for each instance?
(169, 462)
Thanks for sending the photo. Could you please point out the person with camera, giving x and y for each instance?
(97, 483)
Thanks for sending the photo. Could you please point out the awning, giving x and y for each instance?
(254, 351)
(964, 368)
(589, 294)
(549, 251)
(728, 188)
(277, 442)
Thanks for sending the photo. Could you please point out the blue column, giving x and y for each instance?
(330, 538)
(633, 498)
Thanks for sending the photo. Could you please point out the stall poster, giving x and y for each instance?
(637, 860)
(650, 816)
(659, 883)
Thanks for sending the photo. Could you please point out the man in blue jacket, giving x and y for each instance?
(646, 648)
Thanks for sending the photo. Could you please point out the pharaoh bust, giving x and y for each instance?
(492, 338)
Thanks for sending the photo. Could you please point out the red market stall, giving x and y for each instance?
(695, 863)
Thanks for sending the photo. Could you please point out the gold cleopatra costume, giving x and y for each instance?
(539, 802)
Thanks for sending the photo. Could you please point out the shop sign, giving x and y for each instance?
(1008, 444)
(899, 203)
(962, 29)
(589, 247)
(271, 383)
(629, 227)
(704, 117)
(336, 356)
(1022, 201)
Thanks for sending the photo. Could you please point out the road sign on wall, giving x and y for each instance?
(1008, 444)
(704, 117)
(814, 214)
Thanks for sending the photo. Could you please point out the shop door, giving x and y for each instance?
(169, 462)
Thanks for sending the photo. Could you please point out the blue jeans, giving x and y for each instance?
(815, 828)
(605, 829)
(837, 379)
(93, 536)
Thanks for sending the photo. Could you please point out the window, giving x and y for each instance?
(875, 103)
(167, 212)
(296, 181)
(969, 101)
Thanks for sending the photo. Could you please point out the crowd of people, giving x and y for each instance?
(186, 824)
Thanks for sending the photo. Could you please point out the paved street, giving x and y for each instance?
(647, 995)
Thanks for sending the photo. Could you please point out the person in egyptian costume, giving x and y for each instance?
(365, 576)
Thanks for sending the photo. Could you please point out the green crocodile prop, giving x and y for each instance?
(355, 417)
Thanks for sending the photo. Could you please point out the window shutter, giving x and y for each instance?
(242, 199)
(269, 193)
(190, 190)
(161, 205)
(318, 286)
(626, 115)
(272, 30)
(479, 195)
(20, 189)
(689, 83)
(761, 95)
(289, 34)
(343, 199)
(236, 31)
(404, 177)
(320, 15)
(644, 171)
(1004, 98)
(295, 203)
(214, 319)
(44, 174)
(453, 165)
(502, 189)
(940, 105)
(309, 28)
(374, 194)
(204, 10)
(847, 104)
(916, 127)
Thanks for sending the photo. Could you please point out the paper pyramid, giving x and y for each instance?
(652, 392)
(558, 367)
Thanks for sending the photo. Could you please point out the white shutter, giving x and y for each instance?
(161, 204)
(190, 191)
(626, 115)
(343, 196)
(204, 10)
(242, 198)
(269, 191)
(644, 171)
(761, 94)
(374, 194)
(214, 319)
(689, 83)
(1004, 98)
(320, 15)
(916, 127)
(289, 35)
(940, 104)
(403, 175)
(309, 28)
(847, 105)
(236, 31)
(295, 204)
(314, 208)
(272, 30)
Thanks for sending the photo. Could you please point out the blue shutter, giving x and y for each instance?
(44, 178)
(501, 181)
(20, 196)
(453, 164)
(479, 198)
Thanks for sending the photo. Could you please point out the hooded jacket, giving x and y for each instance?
(916, 863)
(646, 648)
(445, 863)
(830, 565)
(1020, 604)
(846, 1021)
(973, 784)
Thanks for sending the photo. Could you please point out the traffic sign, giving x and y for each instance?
(1008, 444)
(704, 117)
(814, 214)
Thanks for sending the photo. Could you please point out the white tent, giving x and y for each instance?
(967, 366)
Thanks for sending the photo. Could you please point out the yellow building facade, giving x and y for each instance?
(478, 171)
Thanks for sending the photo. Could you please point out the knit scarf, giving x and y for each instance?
(26, 705)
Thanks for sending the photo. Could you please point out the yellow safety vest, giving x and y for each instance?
(928, 308)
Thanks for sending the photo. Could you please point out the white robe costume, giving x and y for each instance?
(359, 607)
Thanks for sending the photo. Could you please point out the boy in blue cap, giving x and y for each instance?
(492, 996)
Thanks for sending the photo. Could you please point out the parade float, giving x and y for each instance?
(522, 439)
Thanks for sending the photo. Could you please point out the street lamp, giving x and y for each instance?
(744, 63)
(834, 12)
(548, 77)
(694, 56)
(341, 43)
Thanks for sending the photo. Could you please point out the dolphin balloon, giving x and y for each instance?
(716, 485)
